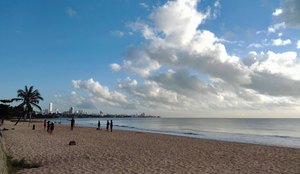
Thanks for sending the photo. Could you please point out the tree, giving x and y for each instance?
(6, 111)
(30, 98)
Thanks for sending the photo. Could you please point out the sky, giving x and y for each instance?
(180, 58)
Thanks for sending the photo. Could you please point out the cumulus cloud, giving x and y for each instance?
(167, 20)
(115, 67)
(276, 27)
(182, 67)
(298, 44)
(102, 94)
(280, 42)
(277, 12)
(278, 86)
(283, 64)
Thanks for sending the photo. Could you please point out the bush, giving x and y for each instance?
(14, 165)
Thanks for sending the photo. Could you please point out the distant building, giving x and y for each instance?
(56, 111)
(46, 111)
(50, 108)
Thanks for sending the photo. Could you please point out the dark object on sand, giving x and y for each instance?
(72, 143)
(33, 127)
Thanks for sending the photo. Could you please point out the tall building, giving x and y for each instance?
(50, 108)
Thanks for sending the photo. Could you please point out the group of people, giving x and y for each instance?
(109, 125)
(50, 126)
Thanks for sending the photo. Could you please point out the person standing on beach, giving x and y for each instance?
(72, 123)
(98, 125)
(51, 127)
(111, 125)
(45, 123)
(48, 126)
(107, 125)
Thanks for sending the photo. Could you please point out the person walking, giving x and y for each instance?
(111, 125)
(98, 125)
(45, 124)
(48, 126)
(72, 123)
(51, 127)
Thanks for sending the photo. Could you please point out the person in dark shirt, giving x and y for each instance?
(48, 126)
(72, 123)
(111, 125)
(51, 127)
(45, 124)
(107, 125)
(98, 125)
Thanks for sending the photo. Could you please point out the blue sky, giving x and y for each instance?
(170, 58)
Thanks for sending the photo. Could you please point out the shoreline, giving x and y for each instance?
(276, 140)
(99, 151)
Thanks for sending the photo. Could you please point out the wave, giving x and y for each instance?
(281, 136)
(132, 127)
(190, 133)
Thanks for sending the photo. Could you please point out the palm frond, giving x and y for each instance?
(37, 106)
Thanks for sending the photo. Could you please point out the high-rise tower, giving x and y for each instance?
(50, 108)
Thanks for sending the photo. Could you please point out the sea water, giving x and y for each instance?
(274, 132)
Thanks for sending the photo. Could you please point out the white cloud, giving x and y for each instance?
(298, 44)
(71, 12)
(167, 20)
(115, 67)
(182, 67)
(215, 11)
(102, 94)
(144, 5)
(276, 27)
(283, 64)
(255, 45)
(280, 42)
(277, 12)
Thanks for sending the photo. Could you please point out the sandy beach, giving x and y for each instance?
(99, 151)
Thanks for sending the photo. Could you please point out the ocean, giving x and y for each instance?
(275, 132)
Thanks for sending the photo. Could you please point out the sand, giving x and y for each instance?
(99, 151)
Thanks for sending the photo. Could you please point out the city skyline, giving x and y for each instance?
(184, 58)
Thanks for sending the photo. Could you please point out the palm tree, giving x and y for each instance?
(30, 98)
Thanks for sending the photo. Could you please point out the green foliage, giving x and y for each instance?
(14, 165)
